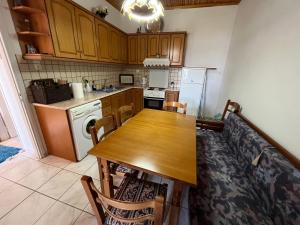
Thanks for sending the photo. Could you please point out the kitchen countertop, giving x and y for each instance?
(89, 97)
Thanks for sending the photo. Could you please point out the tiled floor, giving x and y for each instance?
(49, 192)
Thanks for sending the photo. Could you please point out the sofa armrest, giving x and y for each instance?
(210, 125)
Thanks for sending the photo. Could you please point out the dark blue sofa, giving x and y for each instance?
(231, 190)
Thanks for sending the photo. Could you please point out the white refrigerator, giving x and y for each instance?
(192, 89)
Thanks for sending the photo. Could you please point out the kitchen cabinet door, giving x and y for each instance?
(164, 45)
(124, 48)
(177, 49)
(138, 95)
(115, 45)
(133, 49)
(129, 94)
(63, 28)
(153, 46)
(86, 35)
(142, 48)
(104, 42)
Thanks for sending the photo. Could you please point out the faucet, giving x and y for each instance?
(104, 85)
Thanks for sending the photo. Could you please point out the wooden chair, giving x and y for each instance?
(218, 125)
(171, 106)
(109, 125)
(125, 113)
(129, 206)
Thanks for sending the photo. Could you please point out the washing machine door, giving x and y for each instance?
(89, 122)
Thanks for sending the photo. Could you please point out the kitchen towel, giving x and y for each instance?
(77, 90)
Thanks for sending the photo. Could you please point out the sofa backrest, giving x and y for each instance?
(275, 179)
(245, 143)
(278, 182)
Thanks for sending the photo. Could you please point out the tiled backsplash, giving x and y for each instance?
(76, 71)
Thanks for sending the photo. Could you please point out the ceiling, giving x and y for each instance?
(177, 4)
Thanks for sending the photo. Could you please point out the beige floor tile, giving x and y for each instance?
(55, 161)
(86, 219)
(21, 170)
(83, 165)
(13, 142)
(11, 163)
(89, 209)
(59, 214)
(93, 171)
(40, 176)
(29, 211)
(59, 184)
(4, 183)
(11, 197)
(75, 196)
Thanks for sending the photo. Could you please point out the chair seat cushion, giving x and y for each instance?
(121, 171)
(136, 190)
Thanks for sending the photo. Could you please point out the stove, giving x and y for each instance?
(154, 98)
(155, 93)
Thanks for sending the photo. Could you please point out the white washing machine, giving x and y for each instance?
(81, 119)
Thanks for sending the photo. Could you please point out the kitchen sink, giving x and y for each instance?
(110, 89)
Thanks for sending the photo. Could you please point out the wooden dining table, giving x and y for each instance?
(156, 142)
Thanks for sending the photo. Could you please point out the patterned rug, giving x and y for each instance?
(7, 152)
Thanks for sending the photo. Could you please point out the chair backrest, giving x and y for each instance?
(100, 204)
(176, 105)
(231, 107)
(108, 123)
(124, 113)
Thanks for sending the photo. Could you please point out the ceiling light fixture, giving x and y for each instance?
(145, 11)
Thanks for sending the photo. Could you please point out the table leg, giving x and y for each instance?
(105, 178)
(176, 202)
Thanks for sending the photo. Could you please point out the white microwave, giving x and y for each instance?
(126, 79)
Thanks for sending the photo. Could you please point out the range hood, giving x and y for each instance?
(156, 62)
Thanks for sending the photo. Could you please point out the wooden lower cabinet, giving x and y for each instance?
(138, 99)
(56, 128)
(57, 133)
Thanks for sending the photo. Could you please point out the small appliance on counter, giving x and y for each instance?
(46, 91)
(126, 79)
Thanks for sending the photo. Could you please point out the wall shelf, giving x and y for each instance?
(31, 33)
(27, 10)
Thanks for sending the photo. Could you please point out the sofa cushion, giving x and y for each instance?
(223, 194)
(278, 183)
(245, 143)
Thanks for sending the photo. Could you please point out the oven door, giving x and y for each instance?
(153, 103)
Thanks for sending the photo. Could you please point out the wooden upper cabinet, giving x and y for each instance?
(164, 45)
(142, 48)
(132, 49)
(153, 44)
(86, 35)
(104, 41)
(115, 45)
(177, 49)
(124, 49)
(63, 28)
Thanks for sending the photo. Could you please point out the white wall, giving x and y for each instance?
(263, 68)
(209, 33)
